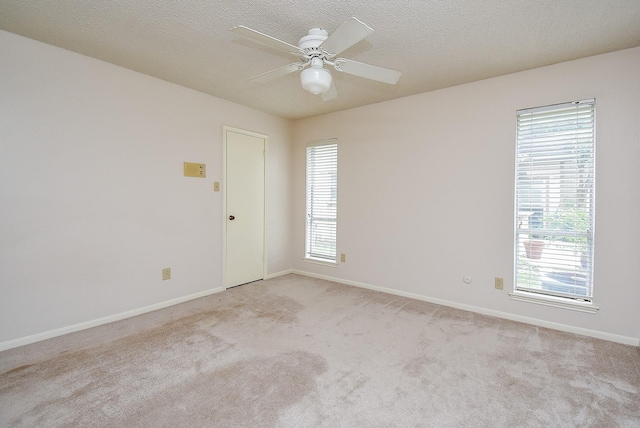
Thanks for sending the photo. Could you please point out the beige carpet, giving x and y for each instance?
(296, 351)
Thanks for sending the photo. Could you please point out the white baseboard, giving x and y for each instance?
(105, 320)
(277, 274)
(477, 309)
(128, 314)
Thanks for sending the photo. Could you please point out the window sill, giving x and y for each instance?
(556, 302)
(320, 262)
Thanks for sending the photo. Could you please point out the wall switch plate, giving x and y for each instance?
(343, 257)
(499, 283)
(216, 186)
(195, 170)
(166, 274)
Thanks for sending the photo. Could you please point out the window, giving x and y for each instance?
(555, 187)
(322, 200)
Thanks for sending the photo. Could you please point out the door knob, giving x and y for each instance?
(231, 217)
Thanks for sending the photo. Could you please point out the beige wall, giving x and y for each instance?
(426, 189)
(93, 199)
(94, 205)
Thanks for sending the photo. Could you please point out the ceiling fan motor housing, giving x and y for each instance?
(313, 39)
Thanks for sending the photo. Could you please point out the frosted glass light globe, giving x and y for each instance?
(315, 79)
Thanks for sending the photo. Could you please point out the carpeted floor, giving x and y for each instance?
(300, 352)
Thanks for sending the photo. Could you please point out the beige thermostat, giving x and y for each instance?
(195, 170)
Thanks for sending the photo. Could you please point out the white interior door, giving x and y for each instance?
(245, 206)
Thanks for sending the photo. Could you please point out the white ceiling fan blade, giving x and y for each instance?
(347, 35)
(331, 94)
(278, 72)
(368, 71)
(265, 39)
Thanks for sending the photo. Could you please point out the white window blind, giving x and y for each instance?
(322, 200)
(555, 184)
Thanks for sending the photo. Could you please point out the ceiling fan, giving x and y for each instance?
(319, 49)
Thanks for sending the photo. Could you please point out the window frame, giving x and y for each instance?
(328, 192)
(554, 142)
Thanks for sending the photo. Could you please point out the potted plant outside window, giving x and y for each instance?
(533, 248)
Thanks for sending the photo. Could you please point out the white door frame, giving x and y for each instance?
(225, 129)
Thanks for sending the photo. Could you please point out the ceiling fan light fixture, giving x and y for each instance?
(315, 79)
(319, 49)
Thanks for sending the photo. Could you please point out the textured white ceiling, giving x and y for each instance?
(435, 43)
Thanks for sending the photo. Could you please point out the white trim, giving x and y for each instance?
(556, 302)
(224, 206)
(332, 140)
(105, 320)
(319, 262)
(633, 341)
(265, 256)
(589, 101)
(277, 274)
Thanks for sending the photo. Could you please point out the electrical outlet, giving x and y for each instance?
(166, 274)
(499, 283)
(343, 257)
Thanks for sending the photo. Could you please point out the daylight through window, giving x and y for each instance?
(555, 185)
(322, 200)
